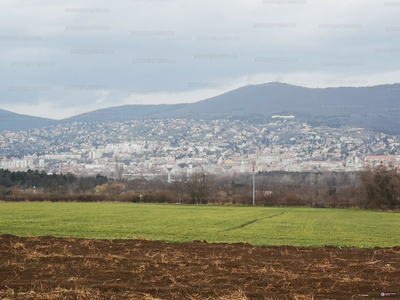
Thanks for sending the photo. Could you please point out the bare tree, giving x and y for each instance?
(178, 186)
(198, 187)
(381, 187)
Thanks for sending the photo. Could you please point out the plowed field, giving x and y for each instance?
(55, 268)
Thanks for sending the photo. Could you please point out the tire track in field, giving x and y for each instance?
(273, 216)
(242, 225)
(253, 221)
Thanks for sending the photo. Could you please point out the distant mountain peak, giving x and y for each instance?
(374, 107)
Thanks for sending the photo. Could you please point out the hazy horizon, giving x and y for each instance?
(263, 84)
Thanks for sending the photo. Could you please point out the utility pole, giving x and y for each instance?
(116, 168)
(254, 187)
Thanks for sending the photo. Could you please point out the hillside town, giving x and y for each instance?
(171, 148)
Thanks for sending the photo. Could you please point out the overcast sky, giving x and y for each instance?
(62, 58)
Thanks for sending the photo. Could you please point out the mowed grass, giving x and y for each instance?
(181, 223)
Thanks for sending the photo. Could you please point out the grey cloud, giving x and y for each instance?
(168, 45)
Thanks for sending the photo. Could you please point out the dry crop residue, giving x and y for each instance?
(55, 268)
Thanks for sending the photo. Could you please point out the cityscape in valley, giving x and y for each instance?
(255, 128)
(170, 148)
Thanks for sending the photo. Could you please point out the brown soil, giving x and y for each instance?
(55, 268)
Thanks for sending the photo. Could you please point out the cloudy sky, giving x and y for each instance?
(62, 58)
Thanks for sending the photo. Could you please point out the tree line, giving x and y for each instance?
(372, 188)
(44, 183)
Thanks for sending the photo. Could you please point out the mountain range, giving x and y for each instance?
(375, 107)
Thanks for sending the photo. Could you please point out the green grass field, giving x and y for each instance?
(228, 224)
